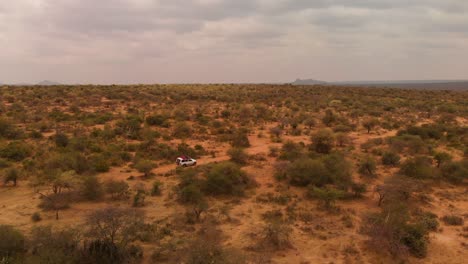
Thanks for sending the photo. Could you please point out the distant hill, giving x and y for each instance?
(308, 82)
(47, 83)
(460, 85)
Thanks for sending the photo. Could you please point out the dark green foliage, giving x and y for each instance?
(453, 220)
(156, 189)
(158, 120)
(52, 246)
(329, 118)
(92, 189)
(419, 168)
(226, 178)
(442, 157)
(276, 235)
(12, 243)
(326, 195)
(455, 172)
(15, 151)
(238, 155)
(415, 238)
(323, 141)
(339, 170)
(291, 151)
(139, 198)
(190, 194)
(36, 217)
(61, 140)
(425, 131)
(117, 189)
(369, 124)
(392, 231)
(129, 127)
(182, 130)
(428, 221)
(240, 140)
(368, 167)
(99, 163)
(111, 231)
(144, 166)
(11, 175)
(306, 171)
(358, 189)
(390, 158)
(8, 130)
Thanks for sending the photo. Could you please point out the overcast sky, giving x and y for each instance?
(175, 41)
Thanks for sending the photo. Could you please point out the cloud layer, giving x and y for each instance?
(147, 41)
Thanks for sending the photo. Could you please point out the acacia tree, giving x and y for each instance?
(442, 157)
(118, 226)
(11, 175)
(323, 141)
(145, 167)
(369, 124)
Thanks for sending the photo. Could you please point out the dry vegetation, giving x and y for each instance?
(285, 174)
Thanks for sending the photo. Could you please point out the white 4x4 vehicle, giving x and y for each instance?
(186, 161)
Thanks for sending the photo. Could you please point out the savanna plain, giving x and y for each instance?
(284, 174)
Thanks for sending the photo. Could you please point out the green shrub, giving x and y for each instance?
(390, 158)
(182, 130)
(36, 217)
(453, 220)
(145, 166)
(12, 242)
(158, 120)
(238, 155)
(306, 171)
(291, 151)
(99, 163)
(455, 172)
(11, 175)
(240, 140)
(92, 189)
(15, 151)
(117, 189)
(156, 189)
(442, 157)
(418, 167)
(323, 141)
(368, 167)
(415, 238)
(226, 179)
(190, 194)
(327, 196)
(61, 140)
(139, 198)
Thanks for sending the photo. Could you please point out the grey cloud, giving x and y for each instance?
(117, 34)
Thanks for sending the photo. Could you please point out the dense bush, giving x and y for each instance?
(117, 189)
(240, 140)
(368, 167)
(419, 168)
(92, 188)
(327, 196)
(455, 172)
(12, 243)
(306, 171)
(291, 151)
(390, 158)
(15, 151)
(238, 155)
(323, 141)
(226, 179)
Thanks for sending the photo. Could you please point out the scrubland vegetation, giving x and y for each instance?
(285, 174)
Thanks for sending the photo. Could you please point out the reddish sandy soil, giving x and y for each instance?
(324, 238)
